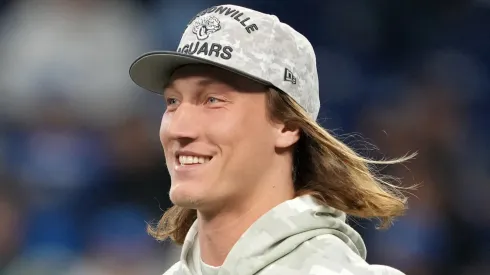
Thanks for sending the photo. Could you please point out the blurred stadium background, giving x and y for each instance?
(81, 167)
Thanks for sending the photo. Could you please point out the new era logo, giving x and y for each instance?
(288, 76)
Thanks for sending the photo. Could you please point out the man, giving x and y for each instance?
(258, 186)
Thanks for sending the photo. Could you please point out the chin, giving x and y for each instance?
(186, 196)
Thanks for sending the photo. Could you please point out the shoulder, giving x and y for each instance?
(346, 260)
(174, 269)
(327, 254)
(353, 270)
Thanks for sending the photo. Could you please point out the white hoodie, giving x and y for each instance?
(297, 237)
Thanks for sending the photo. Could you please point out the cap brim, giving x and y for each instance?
(153, 71)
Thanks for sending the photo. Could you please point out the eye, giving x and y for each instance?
(213, 100)
(171, 104)
(171, 101)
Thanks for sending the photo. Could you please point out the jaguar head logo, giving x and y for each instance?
(203, 27)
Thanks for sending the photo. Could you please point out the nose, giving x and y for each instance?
(183, 124)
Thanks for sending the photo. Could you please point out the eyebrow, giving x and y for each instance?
(203, 83)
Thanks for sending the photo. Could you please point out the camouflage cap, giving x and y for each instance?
(247, 42)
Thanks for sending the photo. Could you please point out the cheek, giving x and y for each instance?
(243, 134)
(164, 130)
(226, 129)
(164, 125)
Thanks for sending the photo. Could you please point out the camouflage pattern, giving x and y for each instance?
(297, 237)
(261, 48)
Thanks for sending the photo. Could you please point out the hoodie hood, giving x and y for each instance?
(276, 234)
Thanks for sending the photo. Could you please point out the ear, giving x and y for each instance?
(287, 135)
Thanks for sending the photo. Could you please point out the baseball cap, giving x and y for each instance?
(244, 41)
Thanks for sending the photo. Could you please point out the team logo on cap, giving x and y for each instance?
(203, 27)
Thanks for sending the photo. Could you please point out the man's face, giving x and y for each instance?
(216, 135)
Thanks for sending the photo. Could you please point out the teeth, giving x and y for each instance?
(186, 160)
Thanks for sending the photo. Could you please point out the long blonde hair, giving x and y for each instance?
(324, 167)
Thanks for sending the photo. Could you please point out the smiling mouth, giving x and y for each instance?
(192, 160)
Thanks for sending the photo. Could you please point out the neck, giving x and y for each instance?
(219, 232)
